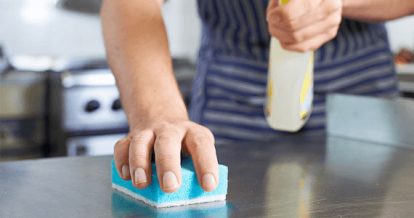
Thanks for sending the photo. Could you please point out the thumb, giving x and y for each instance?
(272, 5)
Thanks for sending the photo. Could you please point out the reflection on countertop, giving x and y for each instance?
(125, 206)
(301, 176)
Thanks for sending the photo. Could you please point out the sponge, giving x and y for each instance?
(190, 192)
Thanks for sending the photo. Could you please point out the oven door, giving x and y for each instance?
(92, 145)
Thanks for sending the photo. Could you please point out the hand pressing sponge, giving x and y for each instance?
(190, 191)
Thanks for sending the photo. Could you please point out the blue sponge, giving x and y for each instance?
(190, 191)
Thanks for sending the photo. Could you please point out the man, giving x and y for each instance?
(229, 87)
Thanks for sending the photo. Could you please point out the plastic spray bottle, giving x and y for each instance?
(289, 87)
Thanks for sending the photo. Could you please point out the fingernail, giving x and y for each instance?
(209, 183)
(125, 171)
(169, 181)
(140, 176)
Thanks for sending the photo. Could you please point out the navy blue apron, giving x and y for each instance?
(229, 89)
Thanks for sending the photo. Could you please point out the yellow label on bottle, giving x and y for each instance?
(306, 94)
(282, 2)
(268, 107)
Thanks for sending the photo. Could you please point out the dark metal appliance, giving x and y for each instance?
(86, 116)
(22, 112)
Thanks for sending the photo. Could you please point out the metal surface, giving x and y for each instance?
(88, 78)
(84, 103)
(92, 145)
(85, 106)
(374, 119)
(405, 74)
(297, 176)
(22, 94)
(22, 115)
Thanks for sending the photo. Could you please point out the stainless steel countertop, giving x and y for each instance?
(295, 177)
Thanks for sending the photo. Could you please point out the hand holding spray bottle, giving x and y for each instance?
(289, 87)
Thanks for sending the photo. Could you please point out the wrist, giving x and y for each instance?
(157, 113)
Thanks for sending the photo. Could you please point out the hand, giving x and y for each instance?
(304, 25)
(167, 139)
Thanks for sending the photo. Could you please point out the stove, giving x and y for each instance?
(86, 115)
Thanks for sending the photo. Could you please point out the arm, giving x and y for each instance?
(137, 51)
(138, 54)
(377, 10)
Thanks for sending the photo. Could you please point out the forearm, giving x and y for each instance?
(377, 10)
(137, 51)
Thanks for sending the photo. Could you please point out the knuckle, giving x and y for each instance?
(167, 130)
(285, 46)
(335, 19)
(164, 126)
(138, 159)
(338, 19)
(119, 145)
(199, 141)
(297, 36)
(166, 159)
(284, 15)
(203, 134)
(139, 137)
(332, 34)
(162, 138)
(321, 16)
(206, 131)
(291, 25)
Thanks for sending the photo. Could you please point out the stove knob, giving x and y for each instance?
(92, 106)
(116, 105)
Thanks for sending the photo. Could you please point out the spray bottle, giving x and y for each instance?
(289, 87)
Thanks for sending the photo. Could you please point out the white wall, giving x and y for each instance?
(38, 28)
(183, 27)
(401, 33)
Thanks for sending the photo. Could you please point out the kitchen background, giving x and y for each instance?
(57, 95)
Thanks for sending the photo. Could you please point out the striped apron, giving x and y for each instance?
(229, 89)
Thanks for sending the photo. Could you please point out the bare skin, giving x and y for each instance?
(377, 10)
(303, 25)
(137, 50)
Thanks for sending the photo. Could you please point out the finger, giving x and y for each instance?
(140, 150)
(309, 32)
(272, 5)
(121, 150)
(293, 10)
(167, 150)
(200, 144)
(282, 35)
(317, 15)
(313, 43)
